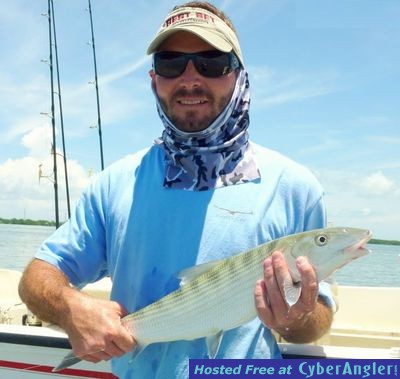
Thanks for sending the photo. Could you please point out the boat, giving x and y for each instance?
(30, 348)
(366, 325)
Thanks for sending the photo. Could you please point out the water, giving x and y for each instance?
(18, 244)
(380, 268)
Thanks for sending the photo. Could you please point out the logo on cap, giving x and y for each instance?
(188, 17)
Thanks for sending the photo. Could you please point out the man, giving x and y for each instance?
(201, 192)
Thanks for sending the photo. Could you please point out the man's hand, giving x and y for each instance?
(93, 325)
(94, 328)
(306, 320)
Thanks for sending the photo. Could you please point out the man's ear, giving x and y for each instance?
(153, 78)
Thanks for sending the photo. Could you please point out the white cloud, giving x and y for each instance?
(275, 88)
(38, 141)
(370, 201)
(390, 140)
(21, 105)
(377, 184)
(366, 211)
(24, 193)
(327, 144)
(124, 71)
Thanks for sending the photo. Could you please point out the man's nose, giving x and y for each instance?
(190, 75)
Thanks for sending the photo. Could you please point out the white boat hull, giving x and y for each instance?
(32, 352)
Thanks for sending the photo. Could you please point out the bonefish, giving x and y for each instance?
(206, 304)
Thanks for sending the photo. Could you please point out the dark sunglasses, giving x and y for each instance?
(211, 64)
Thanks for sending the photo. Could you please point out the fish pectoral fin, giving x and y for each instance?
(292, 292)
(191, 273)
(69, 360)
(213, 344)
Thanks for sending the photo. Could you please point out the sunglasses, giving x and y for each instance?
(210, 64)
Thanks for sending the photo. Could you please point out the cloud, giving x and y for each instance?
(366, 211)
(38, 141)
(27, 182)
(369, 200)
(21, 105)
(277, 88)
(389, 140)
(22, 47)
(124, 71)
(377, 184)
(327, 143)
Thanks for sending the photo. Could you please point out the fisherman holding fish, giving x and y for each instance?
(202, 192)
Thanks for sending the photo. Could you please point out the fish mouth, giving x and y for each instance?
(359, 248)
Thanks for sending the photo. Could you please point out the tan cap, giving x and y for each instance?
(206, 25)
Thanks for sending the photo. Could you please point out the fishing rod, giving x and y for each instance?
(97, 88)
(53, 124)
(61, 111)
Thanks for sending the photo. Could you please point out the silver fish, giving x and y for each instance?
(206, 304)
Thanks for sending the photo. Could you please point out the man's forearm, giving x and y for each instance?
(311, 327)
(93, 325)
(44, 289)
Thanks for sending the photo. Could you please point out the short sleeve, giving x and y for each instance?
(78, 247)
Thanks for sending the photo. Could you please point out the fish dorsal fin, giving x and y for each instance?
(292, 292)
(213, 344)
(191, 273)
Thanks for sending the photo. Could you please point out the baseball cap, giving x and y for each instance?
(204, 24)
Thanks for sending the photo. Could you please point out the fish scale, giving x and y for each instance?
(155, 322)
(218, 296)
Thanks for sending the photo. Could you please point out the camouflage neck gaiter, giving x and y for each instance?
(216, 157)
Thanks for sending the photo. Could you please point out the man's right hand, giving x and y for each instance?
(94, 327)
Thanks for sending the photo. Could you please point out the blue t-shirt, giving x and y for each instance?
(128, 226)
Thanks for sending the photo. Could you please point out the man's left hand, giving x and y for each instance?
(271, 306)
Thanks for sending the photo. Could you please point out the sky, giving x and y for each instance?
(324, 77)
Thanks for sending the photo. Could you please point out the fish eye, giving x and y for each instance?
(321, 240)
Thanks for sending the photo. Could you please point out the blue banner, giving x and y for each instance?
(294, 368)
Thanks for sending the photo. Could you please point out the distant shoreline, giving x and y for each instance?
(26, 221)
(21, 221)
(384, 242)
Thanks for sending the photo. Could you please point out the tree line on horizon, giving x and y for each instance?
(26, 221)
(23, 221)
